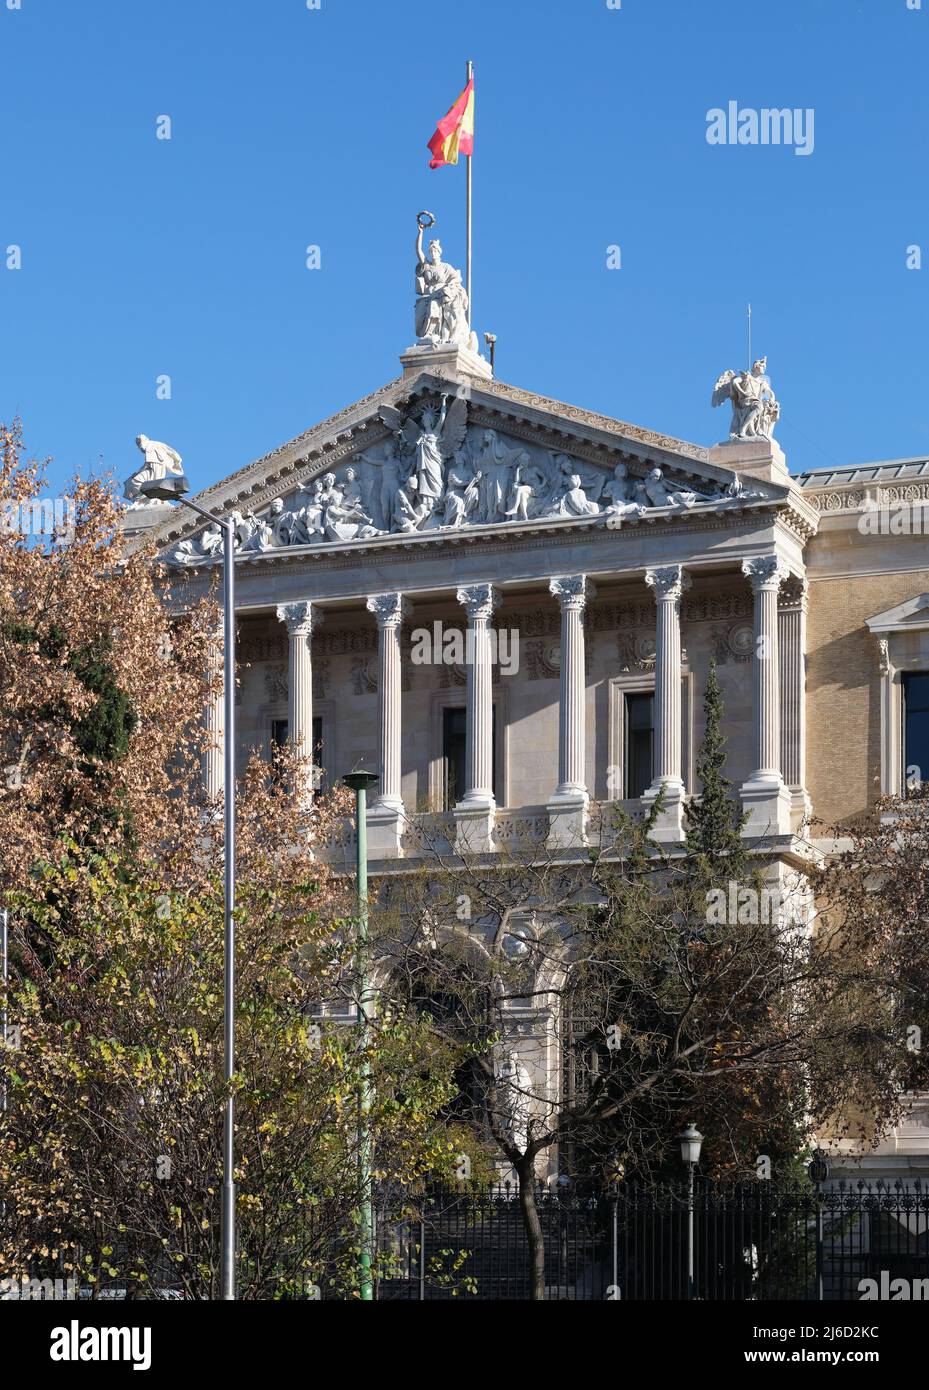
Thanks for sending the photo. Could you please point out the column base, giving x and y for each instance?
(669, 823)
(474, 825)
(567, 820)
(769, 806)
(800, 808)
(386, 821)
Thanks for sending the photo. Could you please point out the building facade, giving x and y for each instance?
(507, 607)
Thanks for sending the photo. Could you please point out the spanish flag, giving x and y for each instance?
(455, 131)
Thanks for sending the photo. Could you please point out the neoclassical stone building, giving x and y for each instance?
(507, 606)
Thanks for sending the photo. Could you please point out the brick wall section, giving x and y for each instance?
(843, 707)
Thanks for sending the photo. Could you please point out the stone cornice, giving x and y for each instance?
(497, 538)
(594, 420)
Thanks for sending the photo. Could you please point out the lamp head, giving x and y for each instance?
(690, 1141)
(169, 489)
(360, 781)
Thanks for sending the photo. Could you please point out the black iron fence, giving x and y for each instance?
(751, 1241)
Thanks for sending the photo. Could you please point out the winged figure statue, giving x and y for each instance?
(428, 444)
(755, 408)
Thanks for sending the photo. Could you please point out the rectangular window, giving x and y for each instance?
(280, 729)
(640, 741)
(454, 740)
(915, 727)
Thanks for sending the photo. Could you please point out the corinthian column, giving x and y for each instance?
(474, 814)
(385, 817)
(791, 636)
(668, 585)
(300, 619)
(764, 795)
(214, 779)
(567, 809)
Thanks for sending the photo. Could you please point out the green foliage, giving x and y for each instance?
(714, 823)
(110, 1149)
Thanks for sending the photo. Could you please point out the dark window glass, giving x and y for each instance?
(280, 729)
(916, 726)
(454, 736)
(640, 738)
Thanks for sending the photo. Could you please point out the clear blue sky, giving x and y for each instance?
(292, 127)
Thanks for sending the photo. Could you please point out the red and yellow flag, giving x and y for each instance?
(455, 131)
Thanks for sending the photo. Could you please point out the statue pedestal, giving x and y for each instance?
(135, 519)
(448, 360)
(768, 804)
(474, 826)
(567, 820)
(385, 824)
(669, 827)
(756, 458)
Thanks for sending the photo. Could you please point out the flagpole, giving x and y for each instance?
(470, 75)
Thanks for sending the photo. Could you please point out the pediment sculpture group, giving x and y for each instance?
(437, 473)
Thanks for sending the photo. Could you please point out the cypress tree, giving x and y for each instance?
(714, 824)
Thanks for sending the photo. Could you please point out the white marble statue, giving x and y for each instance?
(619, 492)
(514, 1104)
(432, 442)
(493, 474)
(208, 545)
(442, 310)
(161, 461)
(574, 500)
(461, 492)
(660, 494)
(755, 408)
(523, 488)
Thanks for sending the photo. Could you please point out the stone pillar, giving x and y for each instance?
(567, 809)
(668, 585)
(791, 637)
(764, 795)
(300, 619)
(474, 814)
(385, 815)
(214, 773)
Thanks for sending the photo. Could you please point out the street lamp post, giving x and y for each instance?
(173, 488)
(818, 1170)
(690, 1141)
(360, 783)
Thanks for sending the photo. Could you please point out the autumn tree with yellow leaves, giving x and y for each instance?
(111, 871)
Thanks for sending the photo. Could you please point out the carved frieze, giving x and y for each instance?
(733, 644)
(437, 470)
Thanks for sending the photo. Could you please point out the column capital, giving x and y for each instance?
(480, 600)
(389, 609)
(668, 583)
(300, 618)
(765, 572)
(794, 595)
(572, 591)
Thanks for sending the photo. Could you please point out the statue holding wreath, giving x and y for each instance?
(442, 311)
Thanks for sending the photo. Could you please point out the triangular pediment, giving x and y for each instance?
(913, 613)
(402, 463)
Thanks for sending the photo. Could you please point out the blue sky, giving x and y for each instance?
(293, 127)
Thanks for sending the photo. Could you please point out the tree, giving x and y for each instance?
(110, 1142)
(673, 987)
